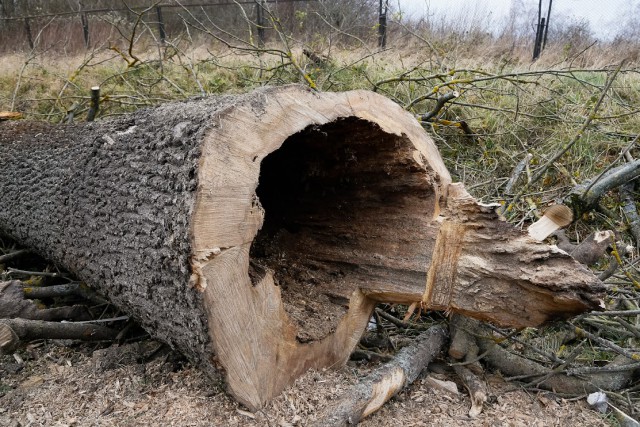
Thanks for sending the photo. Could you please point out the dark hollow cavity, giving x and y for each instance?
(346, 207)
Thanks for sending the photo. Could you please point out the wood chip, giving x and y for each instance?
(10, 115)
(246, 413)
(448, 386)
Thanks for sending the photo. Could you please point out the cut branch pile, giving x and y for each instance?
(48, 305)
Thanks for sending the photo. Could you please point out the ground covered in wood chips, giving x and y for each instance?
(144, 384)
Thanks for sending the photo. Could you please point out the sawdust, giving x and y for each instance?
(143, 384)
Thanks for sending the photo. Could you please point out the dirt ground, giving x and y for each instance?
(143, 384)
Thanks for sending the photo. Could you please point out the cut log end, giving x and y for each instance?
(318, 199)
(554, 218)
(9, 340)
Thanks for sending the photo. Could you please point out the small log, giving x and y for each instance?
(17, 271)
(74, 288)
(11, 255)
(464, 347)
(590, 250)
(14, 305)
(384, 383)
(511, 364)
(39, 292)
(585, 196)
(476, 388)
(469, 335)
(14, 331)
(463, 344)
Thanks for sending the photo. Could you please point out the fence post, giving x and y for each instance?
(382, 25)
(163, 34)
(537, 48)
(536, 52)
(260, 22)
(95, 103)
(27, 28)
(85, 29)
(546, 29)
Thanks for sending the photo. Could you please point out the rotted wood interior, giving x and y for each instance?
(346, 207)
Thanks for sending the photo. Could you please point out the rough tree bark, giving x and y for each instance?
(256, 233)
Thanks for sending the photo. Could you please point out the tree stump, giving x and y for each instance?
(255, 233)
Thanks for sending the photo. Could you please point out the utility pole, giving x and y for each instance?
(542, 30)
(546, 30)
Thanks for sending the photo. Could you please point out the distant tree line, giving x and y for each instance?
(304, 19)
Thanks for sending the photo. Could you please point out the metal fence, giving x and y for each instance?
(226, 17)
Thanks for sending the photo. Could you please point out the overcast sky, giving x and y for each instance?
(601, 14)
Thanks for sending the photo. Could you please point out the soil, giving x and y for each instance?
(54, 383)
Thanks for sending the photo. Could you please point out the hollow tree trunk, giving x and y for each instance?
(255, 233)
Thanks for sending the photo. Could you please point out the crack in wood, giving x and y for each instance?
(441, 276)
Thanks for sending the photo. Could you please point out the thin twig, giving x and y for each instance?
(582, 333)
(540, 173)
(35, 273)
(12, 255)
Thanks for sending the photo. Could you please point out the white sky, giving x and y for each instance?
(601, 14)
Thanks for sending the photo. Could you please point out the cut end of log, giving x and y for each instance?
(323, 208)
(554, 218)
(8, 339)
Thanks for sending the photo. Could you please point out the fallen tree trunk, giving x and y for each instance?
(256, 233)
